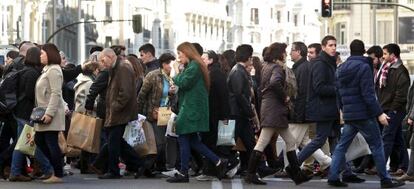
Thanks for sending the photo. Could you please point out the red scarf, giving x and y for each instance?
(384, 73)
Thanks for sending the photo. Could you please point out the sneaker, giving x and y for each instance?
(19, 178)
(222, 168)
(170, 173)
(391, 184)
(353, 179)
(179, 178)
(52, 180)
(337, 183)
(232, 172)
(406, 177)
(203, 177)
(109, 176)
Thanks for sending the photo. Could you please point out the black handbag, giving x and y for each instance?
(37, 114)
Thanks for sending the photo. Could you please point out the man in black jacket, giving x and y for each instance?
(298, 125)
(147, 54)
(392, 83)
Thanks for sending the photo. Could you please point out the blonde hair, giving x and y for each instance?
(190, 51)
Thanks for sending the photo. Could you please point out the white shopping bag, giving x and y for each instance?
(358, 148)
(134, 133)
(226, 133)
(171, 126)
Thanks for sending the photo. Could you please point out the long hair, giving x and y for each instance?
(190, 51)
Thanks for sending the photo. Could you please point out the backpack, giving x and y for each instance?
(8, 91)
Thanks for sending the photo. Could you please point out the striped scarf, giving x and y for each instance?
(384, 73)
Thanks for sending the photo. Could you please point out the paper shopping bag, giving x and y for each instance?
(25, 144)
(164, 115)
(149, 147)
(85, 132)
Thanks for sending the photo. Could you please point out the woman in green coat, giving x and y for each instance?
(192, 118)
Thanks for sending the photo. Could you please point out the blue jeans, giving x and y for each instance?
(370, 131)
(192, 140)
(18, 160)
(393, 138)
(323, 131)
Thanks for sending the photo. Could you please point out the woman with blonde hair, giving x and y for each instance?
(193, 117)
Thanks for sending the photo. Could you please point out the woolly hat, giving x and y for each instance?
(52, 52)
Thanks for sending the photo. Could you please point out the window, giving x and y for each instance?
(295, 19)
(278, 16)
(254, 15)
(254, 37)
(288, 16)
(384, 32)
(385, 6)
(304, 19)
(108, 41)
(340, 29)
(341, 6)
(271, 13)
(410, 1)
(108, 10)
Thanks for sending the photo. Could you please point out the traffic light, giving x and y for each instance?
(137, 23)
(326, 8)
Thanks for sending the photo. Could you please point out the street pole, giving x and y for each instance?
(53, 16)
(81, 35)
(396, 23)
(22, 19)
(374, 24)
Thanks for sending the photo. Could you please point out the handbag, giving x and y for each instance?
(37, 114)
(164, 115)
(26, 144)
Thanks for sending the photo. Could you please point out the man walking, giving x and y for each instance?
(357, 100)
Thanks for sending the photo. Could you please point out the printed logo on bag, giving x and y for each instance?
(29, 140)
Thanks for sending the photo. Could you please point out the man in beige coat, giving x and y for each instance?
(121, 108)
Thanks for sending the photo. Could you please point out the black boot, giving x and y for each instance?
(294, 171)
(251, 176)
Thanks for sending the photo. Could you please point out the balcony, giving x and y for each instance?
(341, 6)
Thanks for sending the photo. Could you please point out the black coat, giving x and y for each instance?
(219, 95)
(26, 92)
(151, 66)
(240, 95)
(301, 69)
(98, 87)
(322, 104)
(393, 97)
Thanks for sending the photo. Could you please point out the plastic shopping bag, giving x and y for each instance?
(226, 133)
(25, 144)
(134, 133)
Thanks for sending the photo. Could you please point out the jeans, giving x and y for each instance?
(323, 131)
(118, 147)
(160, 140)
(392, 136)
(192, 140)
(370, 131)
(18, 160)
(48, 143)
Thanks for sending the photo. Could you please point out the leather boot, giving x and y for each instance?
(294, 171)
(251, 176)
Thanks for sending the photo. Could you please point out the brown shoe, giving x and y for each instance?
(398, 173)
(52, 180)
(46, 176)
(372, 171)
(405, 177)
(19, 178)
(95, 169)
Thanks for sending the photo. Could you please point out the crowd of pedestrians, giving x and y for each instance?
(317, 107)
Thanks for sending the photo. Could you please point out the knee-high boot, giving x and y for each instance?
(294, 171)
(251, 176)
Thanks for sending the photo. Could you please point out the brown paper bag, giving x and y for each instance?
(164, 115)
(85, 132)
(149, 147)
(63, 145)
(239, 146)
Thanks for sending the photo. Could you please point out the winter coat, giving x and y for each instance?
(240, 94)
(121, 97)
(98, 87)
(301, 69)
(322, 104)
(26, 92)
(410, 103)
(49, 95)
(149, 97)
(393, 97)
(219, 94)
(81, 91)
(355, 89)
(151, 66)
(193, 113)
(274, 110)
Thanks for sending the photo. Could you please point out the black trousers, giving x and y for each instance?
(48, 143)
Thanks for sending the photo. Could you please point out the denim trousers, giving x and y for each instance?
(193, 141)
(18, 159)
(48, 143)
(393, 137)
(323, 131)
(370, 131)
